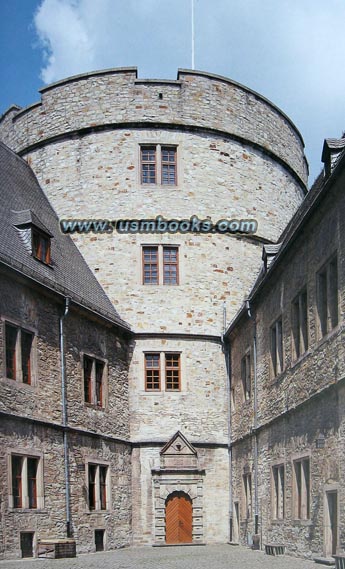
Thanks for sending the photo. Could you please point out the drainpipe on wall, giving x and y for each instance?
(64, 418)
(227, 354)
(255, 426)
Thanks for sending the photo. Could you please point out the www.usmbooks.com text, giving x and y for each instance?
(159, 225)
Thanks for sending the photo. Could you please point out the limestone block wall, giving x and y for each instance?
(197, 99)
(98, 177)
(208, 488)
(238, 157)
(198, 410)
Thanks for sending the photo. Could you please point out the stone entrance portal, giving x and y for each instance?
(178, 494)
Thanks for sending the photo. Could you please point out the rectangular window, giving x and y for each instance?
(172, 372)
(327, 297)
(162, 371)
(32, 482)
(277, 347)
(27, 481)
(92, 486)
(17, 493)
(170, 265)
(94, 379)
(278, 498)
(11, 343)
(26, 344)
(246, 376)
(103, 487)
(160, 264)
(148, 164)
(87, 379)
(158, 165)
(301, 474)
(247, 486)
(150, 265)
(168, 166)
(98, 487)
(19, 353)
(41, 246)
(152, 372)
(300, 324)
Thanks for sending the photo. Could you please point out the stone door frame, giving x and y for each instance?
(164, 484)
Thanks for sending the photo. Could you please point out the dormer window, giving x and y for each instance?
(35, 237)
(40, 246)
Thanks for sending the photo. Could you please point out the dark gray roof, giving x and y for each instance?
(27, 217)
(335, 144)
(23, 203)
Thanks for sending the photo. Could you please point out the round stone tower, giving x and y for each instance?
(107, 145)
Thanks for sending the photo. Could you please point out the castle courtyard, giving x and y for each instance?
(180, 557)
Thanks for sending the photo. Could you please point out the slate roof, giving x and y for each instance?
(23, 202)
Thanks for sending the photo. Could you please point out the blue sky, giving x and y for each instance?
(290, 51)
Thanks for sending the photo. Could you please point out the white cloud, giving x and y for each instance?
(67, 43)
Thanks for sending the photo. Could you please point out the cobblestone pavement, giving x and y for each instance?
(199, 557)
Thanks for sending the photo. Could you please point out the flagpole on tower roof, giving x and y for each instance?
(193, 37)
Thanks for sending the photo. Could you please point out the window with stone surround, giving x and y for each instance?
(276, 337)
(301, 488)
(26, 482)
(278, 492)
(19, 354)
(162, 371)
(246, 375)
(300, 324)
(327, 297)
(158, 165)
(156, 257)
(94, 377)
(247, 493)
(98, 486)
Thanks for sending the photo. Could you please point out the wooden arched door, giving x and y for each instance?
(178, 518)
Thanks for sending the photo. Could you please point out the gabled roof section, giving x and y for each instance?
(178, 444)
(332, 145)
(27, 217)
(23, 203)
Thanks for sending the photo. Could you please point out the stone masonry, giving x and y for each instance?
(238, 157)
(31, 424)
(300, 411)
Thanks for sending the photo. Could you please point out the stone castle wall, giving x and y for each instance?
(302, 403)
(239, 157)
(196, 99)
(31, 423)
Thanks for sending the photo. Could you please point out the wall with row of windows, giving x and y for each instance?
(96, 359)
(288, 372)
(33, 483)
(32, 467)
